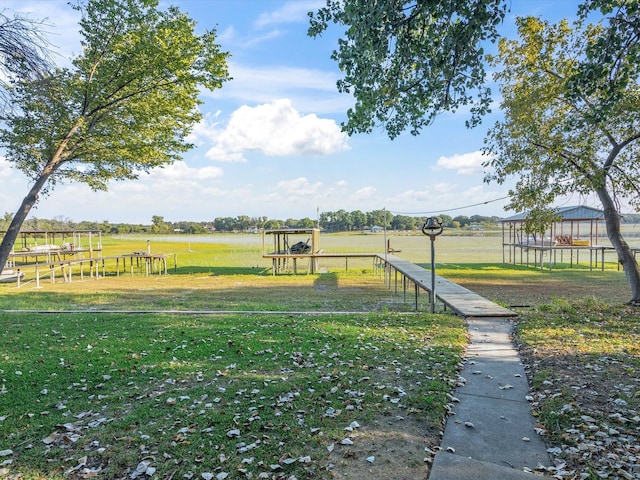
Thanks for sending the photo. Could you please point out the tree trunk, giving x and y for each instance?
(18, 219)
(625, 256)
(32, 197)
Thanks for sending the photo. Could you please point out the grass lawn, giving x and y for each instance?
(251, 396)
(584, 360)
(295, 368)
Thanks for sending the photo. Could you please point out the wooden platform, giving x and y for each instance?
(460, 300)
(279, 260)
(96, 267)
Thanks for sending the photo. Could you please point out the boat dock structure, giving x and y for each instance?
(137, 263)
(33, 246)
(411, 278)
(572, 238)
(290, 245)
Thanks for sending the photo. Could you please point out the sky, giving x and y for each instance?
(270, 143)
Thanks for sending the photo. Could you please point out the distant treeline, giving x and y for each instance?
(339, 221)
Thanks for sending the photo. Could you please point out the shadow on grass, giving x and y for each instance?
(325, 281)
(191, 270)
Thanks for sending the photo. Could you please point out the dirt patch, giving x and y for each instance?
(391, 447)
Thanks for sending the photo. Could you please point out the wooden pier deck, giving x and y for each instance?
(96, 267)
(460, 300)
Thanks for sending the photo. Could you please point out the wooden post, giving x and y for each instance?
(396, 283)
(404, 288)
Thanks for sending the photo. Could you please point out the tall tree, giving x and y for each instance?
(158, 225)
(406, 61)
(124, 107)
(571, 102)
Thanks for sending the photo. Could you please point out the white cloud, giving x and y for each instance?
(412, 197)
(299, 186)
(205, 129)
(233, 41)
(264, 28)
(277, 129)
(180, 171)
(6, 169)
(281, 78)
(464, 164)
(444, 187)
(311, 89)
(294, 11)
(366, 192)
(222, 155)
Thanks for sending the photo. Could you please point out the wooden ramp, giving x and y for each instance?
(461, 300)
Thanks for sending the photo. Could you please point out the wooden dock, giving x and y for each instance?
(96, 267)
(460, 300)
(280, 261)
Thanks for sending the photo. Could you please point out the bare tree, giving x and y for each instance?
(24, 50)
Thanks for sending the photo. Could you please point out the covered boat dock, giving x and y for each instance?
(577, 230)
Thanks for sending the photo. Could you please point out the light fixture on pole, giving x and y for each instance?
(432, 228)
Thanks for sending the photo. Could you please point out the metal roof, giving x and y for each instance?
(291, 230)
(576, 212)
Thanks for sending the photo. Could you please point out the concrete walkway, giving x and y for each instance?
(490, 434)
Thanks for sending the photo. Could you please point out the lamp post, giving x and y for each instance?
(432, 228)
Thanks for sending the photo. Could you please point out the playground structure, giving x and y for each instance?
(576, 230)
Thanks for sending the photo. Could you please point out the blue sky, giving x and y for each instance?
(270, 143)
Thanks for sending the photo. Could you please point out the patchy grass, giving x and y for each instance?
(584, 358)
(187, 396)
(519, 286)
(353, 291)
